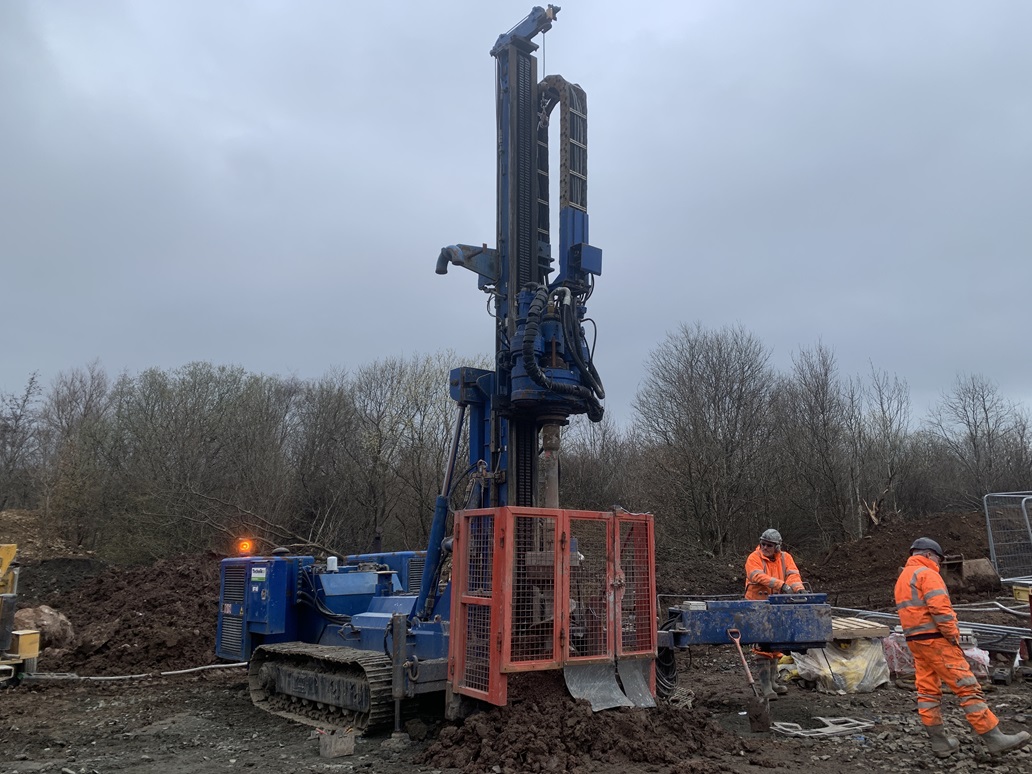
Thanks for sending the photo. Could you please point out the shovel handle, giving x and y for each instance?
(736, 638)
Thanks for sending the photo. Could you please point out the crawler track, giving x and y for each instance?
(320, 685)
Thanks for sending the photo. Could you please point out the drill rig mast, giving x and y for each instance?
(544, 371)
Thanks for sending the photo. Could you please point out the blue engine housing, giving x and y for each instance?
(270, 599)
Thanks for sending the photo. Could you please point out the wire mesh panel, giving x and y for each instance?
(1010, 533)
(536, 564)
(477, 606)
(476, 669)
(637, 600)
(479, 553)
(590, 597)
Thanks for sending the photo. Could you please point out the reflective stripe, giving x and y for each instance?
(915, 596)
(754, 573)
(935, 593)
(927, 704)
(943, 617)
(971, 709)
(967, 681)
(910, 603)
(928, 627)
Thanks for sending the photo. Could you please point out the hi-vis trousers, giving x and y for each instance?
(937, 661)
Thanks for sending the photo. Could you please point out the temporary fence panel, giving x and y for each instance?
(1010, 533)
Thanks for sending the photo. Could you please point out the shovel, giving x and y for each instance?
(758, 707)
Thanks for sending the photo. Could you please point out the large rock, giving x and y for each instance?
(55, 631)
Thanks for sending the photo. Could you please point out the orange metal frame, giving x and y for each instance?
(531, 592)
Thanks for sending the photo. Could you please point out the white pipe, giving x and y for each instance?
(109, 678)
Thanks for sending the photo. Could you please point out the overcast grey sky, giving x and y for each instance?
(268, 183)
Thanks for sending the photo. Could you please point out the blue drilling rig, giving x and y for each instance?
(520, 584)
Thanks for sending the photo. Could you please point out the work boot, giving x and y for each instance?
(999, 742)
(943, 746)
(775, 683)
(763, 667)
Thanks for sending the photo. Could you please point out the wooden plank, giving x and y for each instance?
(856, 628)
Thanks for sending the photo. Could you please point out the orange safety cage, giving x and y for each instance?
(538, 588)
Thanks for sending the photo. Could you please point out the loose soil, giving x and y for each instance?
(157, 618)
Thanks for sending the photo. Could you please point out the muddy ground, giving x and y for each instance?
(161, 617)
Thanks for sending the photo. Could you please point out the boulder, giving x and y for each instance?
(55, 631)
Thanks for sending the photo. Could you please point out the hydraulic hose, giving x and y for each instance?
(534, 313)
(666, 667)
(573, 339)
(311, 598)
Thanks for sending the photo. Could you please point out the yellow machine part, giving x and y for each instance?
(24, 644)
(7, 552)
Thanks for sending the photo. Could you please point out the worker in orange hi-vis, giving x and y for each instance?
(930, 627)
(770, 570)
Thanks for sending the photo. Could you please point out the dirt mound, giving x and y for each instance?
(862, 574)
(150, 618)
(543, 730)
(701, 575)
(49, 581)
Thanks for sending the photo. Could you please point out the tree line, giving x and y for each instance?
(720, 446)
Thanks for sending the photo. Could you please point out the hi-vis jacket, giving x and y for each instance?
(763, 577)
(923, 603)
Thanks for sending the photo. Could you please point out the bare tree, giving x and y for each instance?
(816, 413)
(18, 445)
(984, 434)
(77, 482)
(704, 409)
(326, 478)
(428, 426)
(596, 466)
(887, 459)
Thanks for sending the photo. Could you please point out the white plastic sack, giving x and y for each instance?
(901, 660)
(978, 660)
(898, 655)
(846, 666)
